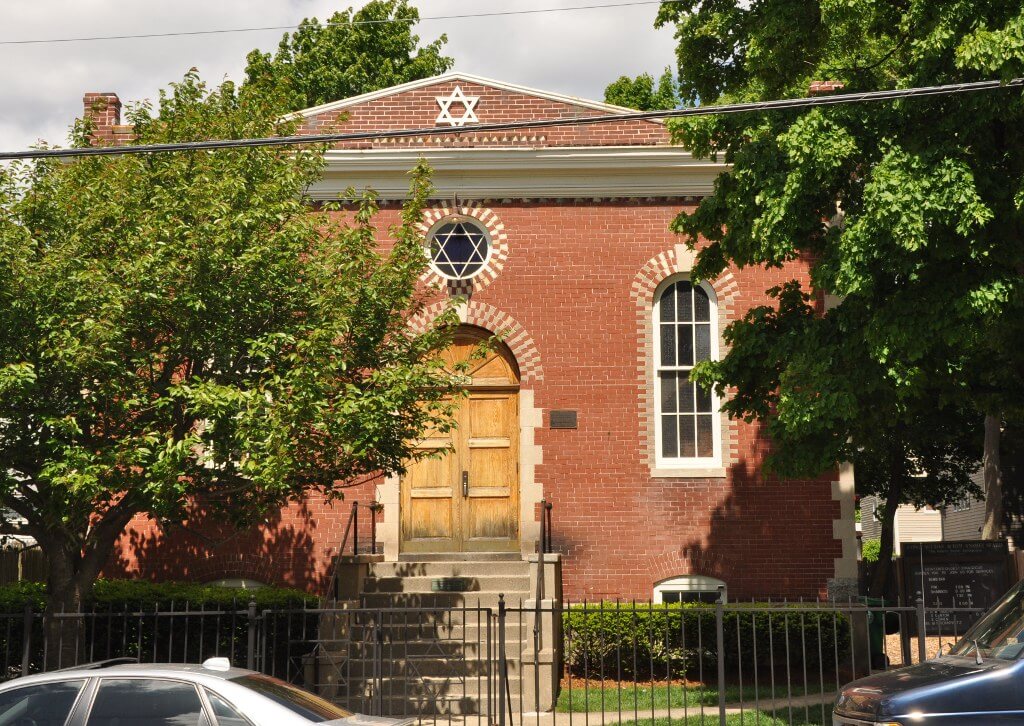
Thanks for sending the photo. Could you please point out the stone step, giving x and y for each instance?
(459, 603)
(473, 630)
(470, 649)
(508, 584)
(410, 666)
(450, 568)
(391, 701)
(461, 557)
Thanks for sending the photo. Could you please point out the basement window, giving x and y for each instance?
(688, 588)
(239, 583)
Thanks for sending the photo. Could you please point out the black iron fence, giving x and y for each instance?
(523, 662)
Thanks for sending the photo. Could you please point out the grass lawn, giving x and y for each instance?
(645, 697)
(748, 719)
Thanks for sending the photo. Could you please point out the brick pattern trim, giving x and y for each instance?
(676, 261)
(499, 248)
(488, 317)
(417, 108)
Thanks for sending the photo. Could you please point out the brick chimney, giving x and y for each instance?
(104, 110)
(820, 88)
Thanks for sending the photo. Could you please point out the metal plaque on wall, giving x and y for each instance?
(563, 419)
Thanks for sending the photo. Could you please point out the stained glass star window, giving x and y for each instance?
(459, 250)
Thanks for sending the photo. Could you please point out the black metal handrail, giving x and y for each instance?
(545, 527)
(352, 527)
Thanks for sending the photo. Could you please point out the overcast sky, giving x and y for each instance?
(577, 52)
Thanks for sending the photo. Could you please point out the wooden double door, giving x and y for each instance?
(466, 499)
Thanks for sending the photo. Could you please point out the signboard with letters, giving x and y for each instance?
(969, 574)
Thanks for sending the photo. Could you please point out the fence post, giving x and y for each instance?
(922, 649)
(250, 656)
(26, 641)
(502, 669)
(720, 638)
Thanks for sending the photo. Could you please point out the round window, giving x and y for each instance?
(459, 249)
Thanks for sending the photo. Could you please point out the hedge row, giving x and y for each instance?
(120, 619)
(111, 595)
(681, 639)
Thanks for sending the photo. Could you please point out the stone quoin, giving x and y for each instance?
(556, 238)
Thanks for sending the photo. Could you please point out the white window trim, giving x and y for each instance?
(706, 466)
(689, 583)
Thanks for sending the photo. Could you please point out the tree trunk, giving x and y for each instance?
(880, 577)
(74, 568)
(994, 526)
(63, 635)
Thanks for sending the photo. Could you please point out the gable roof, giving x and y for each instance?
(465, 77)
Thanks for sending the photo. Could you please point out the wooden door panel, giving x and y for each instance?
(430, 516)
(490, 458)
(468, 499)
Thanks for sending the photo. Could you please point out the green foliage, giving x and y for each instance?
(185, 327)
(617, 642)
(640, 93)
(909, 214)
(323, 62)
(115, 595)
(119, 620)
(870, 550)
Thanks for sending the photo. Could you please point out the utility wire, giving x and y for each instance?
(725, 109)
(382, 21)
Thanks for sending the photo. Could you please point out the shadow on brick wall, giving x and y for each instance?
(283, 550)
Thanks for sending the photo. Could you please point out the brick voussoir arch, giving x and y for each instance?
(487, 218)
(682, 562)
(678, 260)
(488, 317)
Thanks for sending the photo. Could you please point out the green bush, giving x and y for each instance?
(121, 619)
(115, 595)
(672, 641)
(870, 549)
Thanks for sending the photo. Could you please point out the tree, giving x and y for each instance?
(914, 451)
(184, 327)
(909, 212)
(640, 93)
(354, 52)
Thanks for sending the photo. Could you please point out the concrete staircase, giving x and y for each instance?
(423, 640)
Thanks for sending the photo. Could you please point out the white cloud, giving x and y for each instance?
(576, 52)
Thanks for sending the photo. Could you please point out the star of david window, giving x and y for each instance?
(459, 249)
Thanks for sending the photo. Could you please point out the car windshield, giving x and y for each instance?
(296, 700)
(1000, 633)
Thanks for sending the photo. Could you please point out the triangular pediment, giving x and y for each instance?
(462, 101)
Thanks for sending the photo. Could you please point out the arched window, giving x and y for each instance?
(687, 422)
(688, 588)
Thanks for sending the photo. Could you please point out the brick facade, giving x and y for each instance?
(573, 295)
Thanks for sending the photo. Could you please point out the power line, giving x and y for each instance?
(725, 109)
(382, 21)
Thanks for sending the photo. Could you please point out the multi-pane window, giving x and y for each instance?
(685, 319)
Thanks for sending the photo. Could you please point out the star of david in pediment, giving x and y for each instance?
(458, 97)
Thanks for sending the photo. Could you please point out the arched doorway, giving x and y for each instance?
(467, 500)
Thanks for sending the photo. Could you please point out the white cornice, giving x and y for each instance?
(522, 173)
(458, 76)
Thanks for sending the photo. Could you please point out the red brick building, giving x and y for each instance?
(557, 238)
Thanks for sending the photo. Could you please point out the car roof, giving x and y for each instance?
(187, 671)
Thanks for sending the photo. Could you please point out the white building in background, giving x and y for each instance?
(911, 525)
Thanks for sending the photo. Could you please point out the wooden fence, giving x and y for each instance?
(22, 564)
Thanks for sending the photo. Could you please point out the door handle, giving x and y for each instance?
(465, 483)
